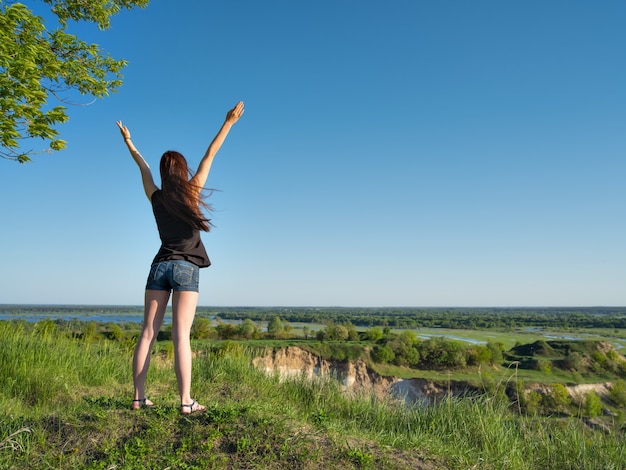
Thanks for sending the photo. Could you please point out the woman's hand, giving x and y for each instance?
(234, 114)
(123, 129)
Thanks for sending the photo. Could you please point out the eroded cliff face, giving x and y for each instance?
(576, 392)
(357, 378)
(354, 377)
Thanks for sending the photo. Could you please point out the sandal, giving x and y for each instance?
(140, 403)
(194, 407)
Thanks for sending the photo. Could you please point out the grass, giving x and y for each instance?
(522, 335)
(65, 404)
(476, 374)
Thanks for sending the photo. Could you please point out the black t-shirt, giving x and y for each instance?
(179, 241)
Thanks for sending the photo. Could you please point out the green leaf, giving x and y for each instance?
(58, 144)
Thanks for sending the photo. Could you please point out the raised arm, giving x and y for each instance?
(207, 160)
(146, 174)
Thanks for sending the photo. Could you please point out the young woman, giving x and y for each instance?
(177, 208)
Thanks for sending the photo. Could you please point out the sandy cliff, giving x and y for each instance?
(357, 378)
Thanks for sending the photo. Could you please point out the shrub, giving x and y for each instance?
(439, 353)
(339, 332)
(275, 326)
(577, 377)
(226, 331)
(402, 347)
(202, 329)
(90, 331)
(573, 361)
(374, 334)
(544, 366)
(618, 393)
(383, 354)
(558, 399)
(248, 329)
(496, 350)
(592, 405)
(479, 355)
(533, 401)
(117, 333)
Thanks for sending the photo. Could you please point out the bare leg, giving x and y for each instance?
(183, 312)
(154, 310)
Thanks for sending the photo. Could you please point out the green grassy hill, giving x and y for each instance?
(65, 399)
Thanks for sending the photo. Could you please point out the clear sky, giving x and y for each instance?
(400, 153)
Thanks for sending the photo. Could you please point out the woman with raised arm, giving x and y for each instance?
(177, 208)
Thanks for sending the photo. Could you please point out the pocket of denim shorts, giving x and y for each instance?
(182, 274)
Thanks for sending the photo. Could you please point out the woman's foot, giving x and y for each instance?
(193, 407)
(140, 403)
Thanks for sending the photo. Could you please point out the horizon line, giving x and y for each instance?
(323, 306)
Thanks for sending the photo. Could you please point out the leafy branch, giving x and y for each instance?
(37, 63)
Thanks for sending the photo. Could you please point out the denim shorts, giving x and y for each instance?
(175, 275)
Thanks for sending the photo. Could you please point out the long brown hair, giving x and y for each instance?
(182, 198)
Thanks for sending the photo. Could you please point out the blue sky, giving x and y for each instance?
(404, 153)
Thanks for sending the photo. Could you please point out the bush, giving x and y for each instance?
(248, 329)
(573, 361)
(533, 402)
(117, 333)
(496, 350)
(338, 332)
(618, 393)
(592, 406)
(275, 327)
(383, 354)
(404, 350)
(558, 399)
(202, 329)
(544, 366)
(90, 331)
(479, 355)
(439, 353)
(374, 334)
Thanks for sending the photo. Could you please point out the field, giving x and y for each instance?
(65, 404)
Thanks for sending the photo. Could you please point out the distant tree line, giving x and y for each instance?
(457, 318)
(397, 318)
